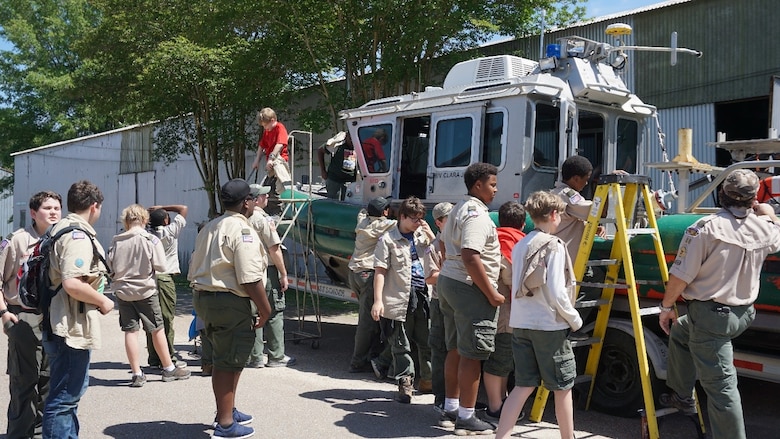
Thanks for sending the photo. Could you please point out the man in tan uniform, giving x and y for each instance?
(468, 296)
(717, 272)
(276, 284)
(28, 366)
(226, 275)
(575, 173)
(73, 329)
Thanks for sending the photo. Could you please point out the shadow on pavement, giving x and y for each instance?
(374, 414)
(160, 429)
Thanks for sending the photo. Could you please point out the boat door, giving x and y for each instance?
(376, 159)
(455, 138)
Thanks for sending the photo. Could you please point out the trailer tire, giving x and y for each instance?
(618, 388)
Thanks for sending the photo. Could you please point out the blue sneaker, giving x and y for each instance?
(238, 417)
(242, 418)
(235, 431)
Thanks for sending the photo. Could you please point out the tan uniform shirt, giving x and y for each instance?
(367, 233)
(14, 250)
(227, 255)
(393, 253)
(265, 227)
(169, 235)
(469, 226)
(73, 257)
(573, 219)
(134, 257)
(720, 257)
(431, 260)
(505, 288)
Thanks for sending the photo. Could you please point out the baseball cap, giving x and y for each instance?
(256, 190)
(741, 185)
(157, 217)
(377, 206)
(441, 210)
(338, 139)
(234, 191)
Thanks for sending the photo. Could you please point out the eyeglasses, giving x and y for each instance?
(417, 220)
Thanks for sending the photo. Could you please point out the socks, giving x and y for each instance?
(465, 413)
(451, 404)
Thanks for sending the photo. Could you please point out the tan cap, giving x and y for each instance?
(741, 185)
(441, 210)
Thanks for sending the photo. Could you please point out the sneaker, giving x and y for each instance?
(447, 418)
(234, 431)
(379, 371)
(255, 364)
(360, 369)
(284, 362)
(425, 387)
(206, 370)
(578, 336)
(138, 381)
(494, 416)
(472, 426)
(405, 390)
(238, 417)
(685, 405)
(176, 374)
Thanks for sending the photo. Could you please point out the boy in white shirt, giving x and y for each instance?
(542, 315)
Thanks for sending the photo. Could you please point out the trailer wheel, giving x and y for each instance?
(618, 387)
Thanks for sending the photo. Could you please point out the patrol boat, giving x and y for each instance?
(526, 117)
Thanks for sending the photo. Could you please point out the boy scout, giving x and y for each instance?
(226, 275)
(467, 294)
(28, 367)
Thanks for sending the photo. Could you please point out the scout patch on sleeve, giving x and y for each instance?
(4, 244)
(246, 236)
(78, 234)
(154, 239)
(472, 211)
(271, 222)
(692, 231)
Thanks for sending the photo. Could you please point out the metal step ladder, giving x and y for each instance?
(623, 191)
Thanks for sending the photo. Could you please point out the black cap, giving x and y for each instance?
(234, 191)
(157, 217)
(377, 206)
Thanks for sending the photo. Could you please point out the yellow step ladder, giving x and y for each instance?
(623, 191)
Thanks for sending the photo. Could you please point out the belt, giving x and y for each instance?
(210, 292)
(17, 309)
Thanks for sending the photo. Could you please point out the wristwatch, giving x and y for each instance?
(3, 312)
(665, 308)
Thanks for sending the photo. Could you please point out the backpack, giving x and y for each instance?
(35, 288)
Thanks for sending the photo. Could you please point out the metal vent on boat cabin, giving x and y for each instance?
(488, 69)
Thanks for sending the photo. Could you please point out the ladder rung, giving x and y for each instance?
(601, 262)
(650, 311)
(642, 231)
(590, 303)
(607, 221)
(579, 379)
(664, 411)
(587, 342)
(644, 282)
(601, 285)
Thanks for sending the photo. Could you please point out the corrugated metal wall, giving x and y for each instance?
(738, 39)
(6, 210)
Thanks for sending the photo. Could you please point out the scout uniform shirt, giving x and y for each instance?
(469, 226)
(227, 255)
(394, 253)
(14, 249)
(134, 257)
(73, 257)
(169, 235)
(573, 219)
(721, 255)
(265, 227)
(367, 233)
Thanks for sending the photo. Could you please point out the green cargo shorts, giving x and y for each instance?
(470, 321)
(543, 357)
(229, 326)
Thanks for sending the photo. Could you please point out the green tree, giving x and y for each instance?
(199, 68)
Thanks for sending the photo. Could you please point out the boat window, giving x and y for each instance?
(453, 142)
(627, 144)
(546, 136)
(590, 144)
(376, 146)
(494, 130)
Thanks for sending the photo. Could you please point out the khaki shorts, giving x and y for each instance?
(470, 321)
(543, 357)
(229, 321)
(146, 311)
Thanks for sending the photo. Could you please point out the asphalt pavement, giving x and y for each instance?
(317, 397)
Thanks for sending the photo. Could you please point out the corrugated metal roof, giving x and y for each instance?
(80, 139)
(631, 12)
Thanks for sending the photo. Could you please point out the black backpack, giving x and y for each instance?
(35, 288)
